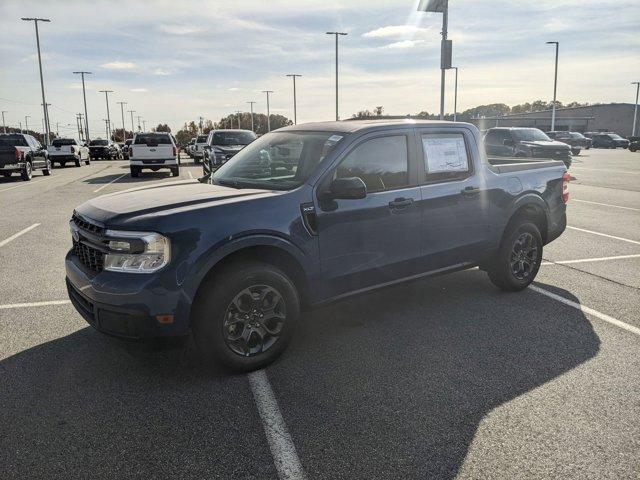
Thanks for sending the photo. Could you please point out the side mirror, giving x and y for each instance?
(507, 142)
(351, 188)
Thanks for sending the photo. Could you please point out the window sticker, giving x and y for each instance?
(445, 154)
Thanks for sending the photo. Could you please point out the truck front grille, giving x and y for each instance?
(90, 257)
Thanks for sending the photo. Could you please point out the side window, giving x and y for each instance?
(492, 138)
(445, 156)
(381, 163)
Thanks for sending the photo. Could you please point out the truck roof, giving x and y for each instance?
(349, 126)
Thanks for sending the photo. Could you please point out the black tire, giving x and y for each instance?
(6, 174)
(175, 171)
(46, 171)
(135, 172)
(215, 303)
(27, 172)
(87, 162)
(63, 164)
(77, 162)
(502, 271)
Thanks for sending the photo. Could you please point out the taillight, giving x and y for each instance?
(18, 155)
(565, 187)
(175, 151)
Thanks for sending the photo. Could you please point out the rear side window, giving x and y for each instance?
(445, 156)
(13, 141)
(152, 139)
(381, 163)
(497, 137)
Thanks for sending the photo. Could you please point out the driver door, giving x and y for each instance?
(376, 239)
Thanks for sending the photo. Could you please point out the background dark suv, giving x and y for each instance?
(575, 140)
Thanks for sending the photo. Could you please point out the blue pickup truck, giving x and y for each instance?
(302, 216)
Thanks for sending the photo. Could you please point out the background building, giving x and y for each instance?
(610, 117)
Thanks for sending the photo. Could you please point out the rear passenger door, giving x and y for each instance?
(369, 241)
(454, 202)
(38, 152)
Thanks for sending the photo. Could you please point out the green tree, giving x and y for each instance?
(162, 127)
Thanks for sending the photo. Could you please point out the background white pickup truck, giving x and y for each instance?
(63, 150)
(153, 151)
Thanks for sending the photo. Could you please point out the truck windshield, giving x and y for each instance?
(13, 141)
(202, 139)
(227, 139)
(615, 136)
(530, 135)
(277, 161)
(577, 135)
(60, 142)
(152, 139)
(98, 143)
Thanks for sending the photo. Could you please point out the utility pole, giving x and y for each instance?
(44, 102)
(21, 128)
(336, 35)
(124, 130)
(555, 88)
(239, 120)
(635, 110)
(4, 127)
(144, 125)
(84, 96)
(133, 130)
(455, 98)
(106, 96)
(138, 117)
(58, 129)
(26, 122)
(106, 126)
(268, 113)
(250, 103)
(79, 127)
(295, 112)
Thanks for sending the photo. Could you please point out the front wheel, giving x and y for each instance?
(518, 260)
(135, 172)
(46, 171)
(245, 316)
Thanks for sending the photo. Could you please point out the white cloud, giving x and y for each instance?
(233, 89)
(181, 29)
(117, 65)
(395, 31)
(139, 90)
(404, 44)
(161, 71)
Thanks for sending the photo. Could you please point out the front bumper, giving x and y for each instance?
(126, 305)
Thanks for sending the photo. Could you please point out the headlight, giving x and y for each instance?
(136, 252)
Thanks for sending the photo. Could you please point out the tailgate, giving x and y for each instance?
(62, 150)
(145, 152)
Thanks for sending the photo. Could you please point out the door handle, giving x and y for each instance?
(399, 203)
(470, 191)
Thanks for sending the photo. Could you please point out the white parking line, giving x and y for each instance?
(589, 260)
(606, 204)
(282, 449)
(605, 235)
(190, 176)
(34, 304)
(21, 232)
(107, 184)
(587, 310)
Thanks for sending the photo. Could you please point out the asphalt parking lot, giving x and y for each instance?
(441, 378)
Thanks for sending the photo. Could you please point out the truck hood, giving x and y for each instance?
(544, 143)
(158, 200)
(229, 148)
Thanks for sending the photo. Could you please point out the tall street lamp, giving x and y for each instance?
(4, 127)
(132, 126)
(124, 130)
(635, 110)
(44, 102)
(106, 96)
(268, 112)
(336, 35)
(295, 112)
(440, 6)
(84, 96)
(250, 103)
(455, 97)
(555, 88)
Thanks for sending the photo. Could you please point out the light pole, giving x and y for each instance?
(336, 35)
(268, 112)
(138, 117)
(440, 6)
(124, 130)
(106, 126)
(132, 125)
(250, 103)
(84, 96)
(555, 87)
(635, 110)
(44, 102)
(106, 96)
(144, 125)
(239, 119)
(455, 98)
(26, 122)
(4, 127)
(295, 109)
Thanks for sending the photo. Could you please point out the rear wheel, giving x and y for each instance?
(27, 171)
(63, 164)
(517, 262)
(87, 162)
(135, 172)
(6, 174)
(77, 162)
(175, 171)
(245, 316)
(46, 171)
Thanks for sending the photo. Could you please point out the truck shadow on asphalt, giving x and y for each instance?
(391, 384)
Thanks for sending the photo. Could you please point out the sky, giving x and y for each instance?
(173, 61)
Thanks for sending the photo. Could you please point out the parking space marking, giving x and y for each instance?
(590, 311)
(190, 176)
(605, 204)
(21, 232)
(605, 235)
(589, 260)
(34, 304)
(107, 184)
(282, 449)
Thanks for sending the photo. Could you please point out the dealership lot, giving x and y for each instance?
(439, 378)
